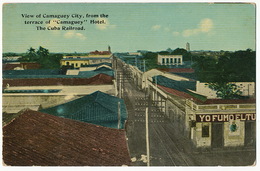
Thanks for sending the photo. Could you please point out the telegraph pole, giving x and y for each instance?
(144, 66)
(119, 115)
(147, 136)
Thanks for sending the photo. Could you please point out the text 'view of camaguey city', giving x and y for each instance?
(148, 84)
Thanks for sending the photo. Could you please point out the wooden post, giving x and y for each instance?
(119, 115)
(147, 137)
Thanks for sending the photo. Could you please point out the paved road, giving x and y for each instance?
(167, 146)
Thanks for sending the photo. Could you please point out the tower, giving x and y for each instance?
(109, 49)
(187, 46)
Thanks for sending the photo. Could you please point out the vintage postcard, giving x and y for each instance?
(129, 84)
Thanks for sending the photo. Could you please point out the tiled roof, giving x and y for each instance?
(100, 53)
(98, 79)
(25, 65)
(97, 108)
(179, 93)
(10, 66)
(177, 70)
(39, 139)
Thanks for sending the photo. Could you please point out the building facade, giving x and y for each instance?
(169, 60)
(222, 125)
(81, 62)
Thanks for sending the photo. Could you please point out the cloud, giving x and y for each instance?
(205, 26)
(105, 26)
(73, 34)
(156, 27)
(167, 29)
(175, 33)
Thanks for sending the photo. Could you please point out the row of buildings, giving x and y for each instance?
(72, 118)
(195, 109)
(85, 97)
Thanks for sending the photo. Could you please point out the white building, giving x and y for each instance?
(169, 60)
(247, 89)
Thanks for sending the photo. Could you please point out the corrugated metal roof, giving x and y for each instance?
(97, 108)
(17, 74)
(32, 72)
(177, 85)
(33, 91)
(187, 75)
(103, 69)
(39, 139)
(96, 65)
(88, 74)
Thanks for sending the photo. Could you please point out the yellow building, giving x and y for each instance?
(75, 62)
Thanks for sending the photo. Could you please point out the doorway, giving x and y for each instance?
(217, 140)
(250, 133)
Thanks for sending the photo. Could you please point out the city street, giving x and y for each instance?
(167, 146)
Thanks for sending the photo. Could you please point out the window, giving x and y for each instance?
(167, 60)
(67, 63)
(76, 64)
(205, 130)
(171, 61)
(163, 60)
(175, 60)
(179, 60)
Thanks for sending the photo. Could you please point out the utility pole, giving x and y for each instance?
(147, 135)
(119, 115)
(144, 66)
(120, 87)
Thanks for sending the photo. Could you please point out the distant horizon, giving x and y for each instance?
(146, 50)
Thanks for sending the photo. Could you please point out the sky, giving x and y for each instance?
(130, 27)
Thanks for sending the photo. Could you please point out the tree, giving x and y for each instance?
(180, 51)
(226, 90)
(43, 57)
(236, 66)
(150, 60)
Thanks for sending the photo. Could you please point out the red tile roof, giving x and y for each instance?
(100, 53)
(179, 93)
(39, 139)
(177, 70)
(96, 80)
(24, 65)
(10, 66)
(208, 101)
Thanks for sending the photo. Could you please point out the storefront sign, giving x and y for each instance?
(225, 117)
